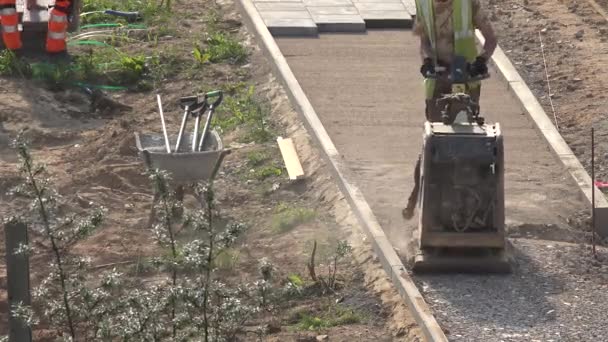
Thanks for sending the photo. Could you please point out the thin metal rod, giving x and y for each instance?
(593, 189)
(162, 119)
(182, 128)
(542, 48)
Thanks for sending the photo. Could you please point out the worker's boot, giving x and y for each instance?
(408, 211)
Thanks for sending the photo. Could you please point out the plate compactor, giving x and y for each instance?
(461, 199)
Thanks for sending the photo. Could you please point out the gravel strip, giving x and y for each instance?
(557, 292)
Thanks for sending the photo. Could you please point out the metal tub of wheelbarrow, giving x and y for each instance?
(183, 166)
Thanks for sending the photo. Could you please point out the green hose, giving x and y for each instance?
(89, 42)
(103, 87)
(133, 26)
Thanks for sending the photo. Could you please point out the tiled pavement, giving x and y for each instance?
(310, 17)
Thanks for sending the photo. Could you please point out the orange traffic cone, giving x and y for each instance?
(58, 26)
(10, 21)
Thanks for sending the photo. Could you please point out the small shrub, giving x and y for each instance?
(288, 218)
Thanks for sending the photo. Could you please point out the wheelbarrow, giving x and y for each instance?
(184, 167)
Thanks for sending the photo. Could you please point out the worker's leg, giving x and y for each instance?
(408, 211)
(475, 94)
(10, 24)
(58, 27)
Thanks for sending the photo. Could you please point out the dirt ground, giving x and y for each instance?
(92, 158)
(575, 41)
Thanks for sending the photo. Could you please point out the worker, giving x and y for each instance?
(446, 29)
(57, 24)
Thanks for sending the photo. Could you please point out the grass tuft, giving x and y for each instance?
(333, 317)
(221, 48)
(287, 218)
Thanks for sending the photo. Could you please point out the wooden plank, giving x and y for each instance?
(290, 156)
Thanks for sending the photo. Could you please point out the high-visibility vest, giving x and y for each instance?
(464, 33)
(10, 24)
(58, 27)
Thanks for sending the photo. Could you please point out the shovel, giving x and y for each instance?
(220, 96)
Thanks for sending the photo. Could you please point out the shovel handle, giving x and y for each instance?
(216, 93)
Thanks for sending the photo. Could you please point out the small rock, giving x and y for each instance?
(579, 34)
(322, 338)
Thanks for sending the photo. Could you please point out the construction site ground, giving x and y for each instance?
(367, 91)
(92, 157)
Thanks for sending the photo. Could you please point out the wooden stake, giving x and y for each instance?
(17, 278)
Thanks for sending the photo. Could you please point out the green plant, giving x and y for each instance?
(328, 282)
(245, 110)
(265, 172)
(11, 65)
(287, 218)
(64, 295)
(257, 158)
(334, 316)
(186, 301)
(227, 259)
(221, 48)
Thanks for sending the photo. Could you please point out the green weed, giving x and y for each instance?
(244, 109)
(227, 259)
(266, 172)
(286, 218)
(11, 65)
(221, 48)
(333, 317)
(256, 158)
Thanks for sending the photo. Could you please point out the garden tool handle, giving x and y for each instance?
(217, 93)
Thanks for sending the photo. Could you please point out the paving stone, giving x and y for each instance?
(379, 6)
(285, 15)
(275, 1)
(291, 27)
(328, 2)
(410, 6)
(376, 1)
(387, 19)
(339, 23)
(280, 6)
(328, 10)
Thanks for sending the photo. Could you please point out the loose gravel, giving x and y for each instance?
(557, 292)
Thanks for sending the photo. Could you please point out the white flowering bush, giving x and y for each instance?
(185, 301)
